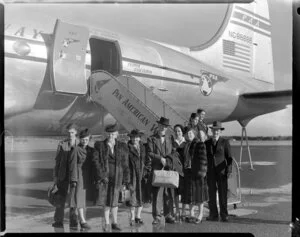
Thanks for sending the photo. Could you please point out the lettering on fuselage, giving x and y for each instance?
(23, 31)
(126, 103)
(239, 36)
(135, 67)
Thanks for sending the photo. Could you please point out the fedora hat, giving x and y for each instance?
(111, 128)
(135, 133)
(217, 125)
(84, 133)
(164, 121)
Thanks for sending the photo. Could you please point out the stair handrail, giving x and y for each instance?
(137, 99)
(157, 97)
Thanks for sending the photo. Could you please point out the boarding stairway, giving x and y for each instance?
(131, 103)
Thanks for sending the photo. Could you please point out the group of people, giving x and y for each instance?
(101, 172)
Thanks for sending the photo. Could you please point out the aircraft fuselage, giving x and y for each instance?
(32, 108)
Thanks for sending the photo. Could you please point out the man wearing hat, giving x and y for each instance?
(111, 161)
(159, 146)
(219, 168)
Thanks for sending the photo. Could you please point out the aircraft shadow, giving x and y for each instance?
(253, 221)
(30, 209)
(32, 175)
(33, 193)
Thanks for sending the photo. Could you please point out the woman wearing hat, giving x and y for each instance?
(193, 123)
(81, 168)
(137, 170)
(111, 162)
(195, 183)
(219, 168)
(178, 143)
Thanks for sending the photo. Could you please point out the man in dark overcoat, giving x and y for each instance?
(111, 161)
(159, 146)
(219, 169)
(63, 177)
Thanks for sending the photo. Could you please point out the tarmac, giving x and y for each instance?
(265, 209)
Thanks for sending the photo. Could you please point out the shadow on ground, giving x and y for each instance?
(27, 175)
(254, 221)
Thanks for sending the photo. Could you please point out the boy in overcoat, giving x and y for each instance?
(219, 169)
(201, 124)
(63, 178)
(111, 162)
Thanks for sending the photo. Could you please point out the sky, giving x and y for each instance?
(184, 25)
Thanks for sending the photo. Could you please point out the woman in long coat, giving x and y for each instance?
(81, 170)
(178, 143)
(111, 161)
(137, 170)
(195, 181)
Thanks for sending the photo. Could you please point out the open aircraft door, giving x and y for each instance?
(68, 58)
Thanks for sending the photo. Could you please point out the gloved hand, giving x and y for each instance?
(105, 180)
(73, 184)
(98, 184)
(201, 174)
(229, 174)
(129, 186)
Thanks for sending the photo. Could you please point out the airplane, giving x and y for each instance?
(67, 73)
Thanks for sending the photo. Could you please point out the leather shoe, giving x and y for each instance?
(170, 220)
(106, 227)
(74, 225)
(58, 225)
(212, 218)
(85, 226)
(131, 222)
(115, 226)
(224, 219)
(139, 221)
(156, 221)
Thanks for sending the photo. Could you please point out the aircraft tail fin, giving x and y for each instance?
(243, 41)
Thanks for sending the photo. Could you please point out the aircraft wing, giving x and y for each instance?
(269, 98)
(251, 105)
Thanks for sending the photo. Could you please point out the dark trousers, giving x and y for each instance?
(147, 190)
(162, 200)
(60, 211)
(217, 182)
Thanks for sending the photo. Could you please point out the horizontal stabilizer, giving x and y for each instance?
(272, 98)
(251, 105)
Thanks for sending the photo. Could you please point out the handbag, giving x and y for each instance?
(165, 178)
(54, 197)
